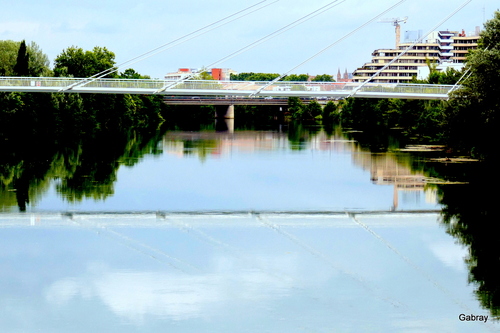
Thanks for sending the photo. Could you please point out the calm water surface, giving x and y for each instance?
(251, 231)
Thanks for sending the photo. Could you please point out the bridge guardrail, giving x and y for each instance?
(231, 87)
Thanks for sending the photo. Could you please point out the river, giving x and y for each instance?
(288, 229)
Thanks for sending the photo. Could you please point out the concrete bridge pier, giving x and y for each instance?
(224, 125)
(223, 111)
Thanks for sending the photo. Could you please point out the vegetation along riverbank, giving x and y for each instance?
(466, 123)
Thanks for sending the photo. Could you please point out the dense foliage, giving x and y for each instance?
(76, 62)
(271, 76)
(63, 114)
(467, 122)
(474, 110)
(14, 54)
(254, 76)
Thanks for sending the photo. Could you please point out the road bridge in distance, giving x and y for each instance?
(211, 100)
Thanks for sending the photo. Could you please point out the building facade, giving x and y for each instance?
(219, 74)
(443, 48)
(462, 44)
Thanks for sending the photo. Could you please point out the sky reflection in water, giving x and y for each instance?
(254, 171)
(244, 272)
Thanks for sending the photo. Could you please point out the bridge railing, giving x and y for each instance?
(213, 87)
(37, 81)
(407, 88)
(126, 83)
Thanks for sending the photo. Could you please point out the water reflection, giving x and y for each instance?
(88, 169)
(292, 167)
(469, 217)
(216, 273)
(82, 169)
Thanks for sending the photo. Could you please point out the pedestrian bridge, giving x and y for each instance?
(327, 90)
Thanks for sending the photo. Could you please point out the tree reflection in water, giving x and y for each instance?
(467, 213)
(85, 168)
(469, 217)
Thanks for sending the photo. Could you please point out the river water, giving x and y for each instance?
(291, 229)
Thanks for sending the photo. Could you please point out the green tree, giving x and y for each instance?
(475, 108)
(22, 63)
(132, 74)
(296, 77)
(254, 76)
(323, 78)
(38, 61)
(313, 110)
(8, 57)
(449, 76)
(76, 62)
(330, 113)
(13, 54)
(296, 108)
(203, 75)
(362, 113)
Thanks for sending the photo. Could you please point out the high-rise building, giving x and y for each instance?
(462, 44)
(444, 48)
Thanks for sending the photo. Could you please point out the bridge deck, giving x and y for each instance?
(332, 90)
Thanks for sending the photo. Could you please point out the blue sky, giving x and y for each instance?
(130, 28)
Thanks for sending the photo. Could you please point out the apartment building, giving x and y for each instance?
(462, 44)
(444, 48)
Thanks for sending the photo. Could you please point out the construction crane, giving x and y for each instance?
(396, 22)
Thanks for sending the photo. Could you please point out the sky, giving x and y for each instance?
(131, 28)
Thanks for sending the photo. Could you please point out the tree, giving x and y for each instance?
(132, 74)
(295, 107)
(38, 61)
(296, 77)
(314, 110)
(330, 113)
(474, 109)
(254, 76)
(13, 57)
(323, 78)
(203, 75)
(8, 57)
(22, 64)
(449, 76)
(76, 62)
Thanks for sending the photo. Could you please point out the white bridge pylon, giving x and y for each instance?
(334, 90)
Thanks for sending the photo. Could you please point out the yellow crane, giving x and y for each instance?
(396, 22)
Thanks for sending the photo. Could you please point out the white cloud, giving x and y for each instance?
(134, 295)
(452, 255)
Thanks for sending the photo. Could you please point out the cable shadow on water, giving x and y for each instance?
(335, 266)
(137, 246)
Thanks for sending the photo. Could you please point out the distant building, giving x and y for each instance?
(444, 48)
(344, 78)
(401, 70)
(220, 74)
(462, 44)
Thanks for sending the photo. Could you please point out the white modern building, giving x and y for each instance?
(444, 48)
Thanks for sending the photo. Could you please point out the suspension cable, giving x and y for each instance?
(328, 47)
(263, 39)
(467, 72)
(197, 33)
(175, 42)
